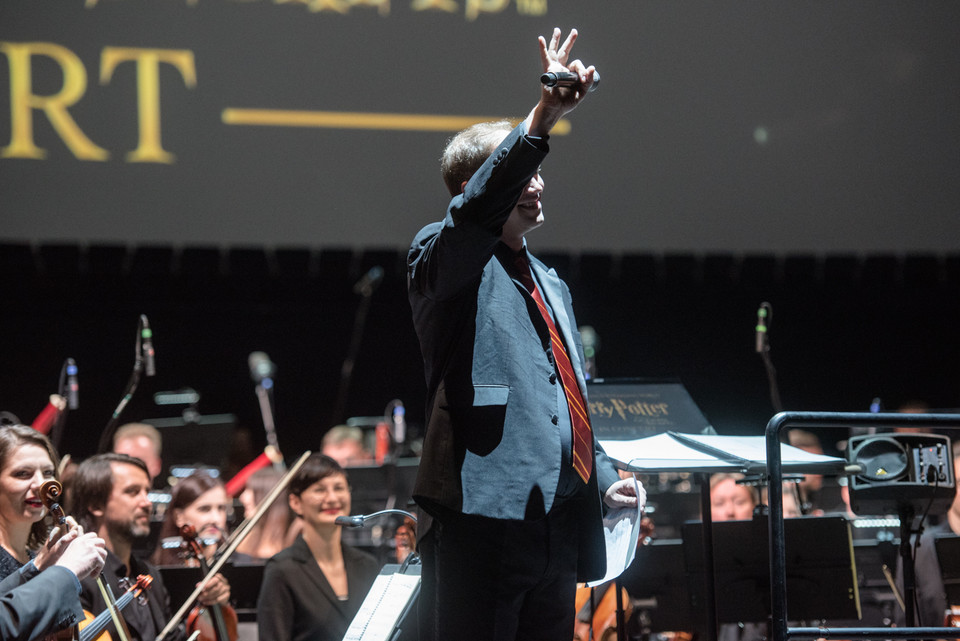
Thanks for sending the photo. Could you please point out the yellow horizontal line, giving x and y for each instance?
(357, 120)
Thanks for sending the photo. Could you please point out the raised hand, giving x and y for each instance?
(557, 101)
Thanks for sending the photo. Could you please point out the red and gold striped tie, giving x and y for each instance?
(579, 418)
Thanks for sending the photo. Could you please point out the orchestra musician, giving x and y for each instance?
(312, 590)
(27, 459)
(275, 531)
(199, 500)
(110, 497)
(142, 441)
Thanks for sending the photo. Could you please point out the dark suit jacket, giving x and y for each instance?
(492, 446)
(297, 603)
(47, 602)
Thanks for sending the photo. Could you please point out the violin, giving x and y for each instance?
(216, 622)
(93, 628)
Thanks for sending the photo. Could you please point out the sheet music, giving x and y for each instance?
(665, 452)
(621, 531)
(382, 607)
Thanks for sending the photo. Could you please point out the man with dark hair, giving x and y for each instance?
(109, 497)
(511, 473)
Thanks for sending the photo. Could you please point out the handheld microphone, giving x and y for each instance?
(369, 281)
(149, 360)
(73, 387)
(262, 368)
(567, 79)
(764, 312)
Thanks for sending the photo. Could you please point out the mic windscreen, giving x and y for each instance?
(369, 281)
(261, 366)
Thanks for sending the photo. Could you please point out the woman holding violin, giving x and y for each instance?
(313, 589)
(197, 515)
(199, 500)
(27, 459)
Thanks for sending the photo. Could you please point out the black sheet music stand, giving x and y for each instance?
(780, 631)
(820, 571)
(948, 555)
(244, 580)
(658, 585)
(703, 455)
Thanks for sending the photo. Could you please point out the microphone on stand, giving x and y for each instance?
(146, 334)
(261, 368)
(765, 311)
(262, 371)
(399, 424)
(359, 520)
(350, 521)
(73, 386)
(369, 282)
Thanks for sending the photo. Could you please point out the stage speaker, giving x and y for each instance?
(900, 473)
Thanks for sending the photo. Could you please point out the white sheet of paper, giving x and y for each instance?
(621, 531)
(382, 607)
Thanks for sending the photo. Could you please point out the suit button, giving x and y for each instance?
(555, 420)
(553, 379)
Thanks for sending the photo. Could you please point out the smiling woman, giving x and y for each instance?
(27, 459)
(314, 588)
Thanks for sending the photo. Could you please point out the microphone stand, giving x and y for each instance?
(56, 433)
(763, 348)
(106, 438)
(266, 410)
(365, 288)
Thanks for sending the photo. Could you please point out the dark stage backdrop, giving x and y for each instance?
(719, 126)
(231, 167)
(844, 330)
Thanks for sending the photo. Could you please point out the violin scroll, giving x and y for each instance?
(50, 493)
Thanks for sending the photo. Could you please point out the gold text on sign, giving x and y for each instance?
(24, 101)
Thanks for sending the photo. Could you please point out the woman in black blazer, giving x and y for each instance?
(313, 589)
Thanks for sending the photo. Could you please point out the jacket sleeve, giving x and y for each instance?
(45, 604)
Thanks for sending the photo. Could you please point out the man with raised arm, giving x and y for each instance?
(511, 473)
